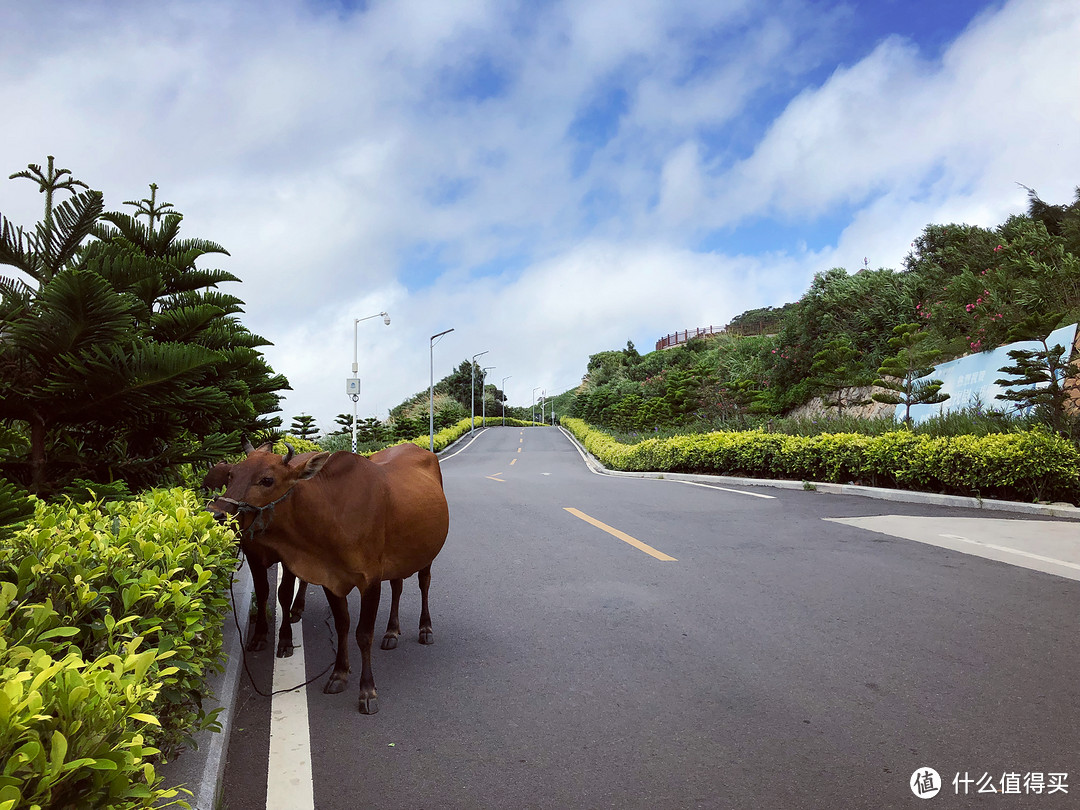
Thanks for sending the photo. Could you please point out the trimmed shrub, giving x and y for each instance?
(110, 621)
(1027, 466)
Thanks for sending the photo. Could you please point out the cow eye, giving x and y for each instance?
(267, 482)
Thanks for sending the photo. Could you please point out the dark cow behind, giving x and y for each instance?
(341, 521)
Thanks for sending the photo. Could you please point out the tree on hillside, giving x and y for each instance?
(903, 373)
(1061, 221)
(463, 383)
(860, 308)
(304, 427)
(833, 372)
(344, 422)
(1037, 377)
(370, 430)
(117, 360)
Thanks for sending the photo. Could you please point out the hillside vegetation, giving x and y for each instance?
(962, 289)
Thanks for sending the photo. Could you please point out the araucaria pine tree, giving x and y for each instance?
(304, 427)
(903, 373)
(1038, 376)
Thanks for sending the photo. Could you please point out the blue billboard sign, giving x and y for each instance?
(970, 380)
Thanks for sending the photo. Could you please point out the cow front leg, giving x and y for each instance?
(426, 635)
(299, 603)
(285, 597)
(257, 640)
(393, 627)
(339, 678)
(365, 634)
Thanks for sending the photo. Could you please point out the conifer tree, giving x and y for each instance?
(304, 427)
(1038, 375)
(120, 359)
(903, 373)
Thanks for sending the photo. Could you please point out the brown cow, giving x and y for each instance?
(341, 521)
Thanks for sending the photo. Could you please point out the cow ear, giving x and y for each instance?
(314, 465)
(266, 447)
(218, 476)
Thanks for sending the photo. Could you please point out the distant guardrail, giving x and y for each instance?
(677, 338)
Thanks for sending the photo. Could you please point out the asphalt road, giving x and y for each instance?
(782, 659)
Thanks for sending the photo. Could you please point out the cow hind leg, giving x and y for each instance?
(285, 597)
(393, 626)
(299, 603)
(426, 635)
(339, 678)
(365, 634)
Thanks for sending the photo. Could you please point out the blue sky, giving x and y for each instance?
(551, 178)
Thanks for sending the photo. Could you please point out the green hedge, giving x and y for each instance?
(111, 619)
(1025, 466)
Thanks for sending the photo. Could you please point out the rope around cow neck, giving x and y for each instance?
(262, 521)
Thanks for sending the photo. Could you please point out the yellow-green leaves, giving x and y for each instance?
(110, 615)
(1026, 466)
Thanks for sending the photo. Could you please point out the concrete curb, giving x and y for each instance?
(202, 770)
(1065, 511)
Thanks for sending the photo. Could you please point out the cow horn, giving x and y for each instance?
(247, 445)
(289, 455)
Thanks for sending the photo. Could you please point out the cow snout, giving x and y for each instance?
(219, 516)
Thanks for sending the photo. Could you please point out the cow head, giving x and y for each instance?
(257, 483)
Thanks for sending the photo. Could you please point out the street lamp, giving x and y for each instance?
(503, 389)
(483, 397)
(431, 389)
(472, 386)
(533, 414)
(352, 385)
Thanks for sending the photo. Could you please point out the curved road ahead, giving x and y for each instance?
(628, 643)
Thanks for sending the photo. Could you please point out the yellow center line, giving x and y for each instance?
(519, 449)
(621, 535)
(513, 462)
(493, 478)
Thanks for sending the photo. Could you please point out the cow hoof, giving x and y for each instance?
(256, 645)
(284, 649)
(369, 705)
(389, 642)
(335, 685)
(427, 637)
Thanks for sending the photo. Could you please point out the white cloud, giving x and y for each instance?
(345, 161)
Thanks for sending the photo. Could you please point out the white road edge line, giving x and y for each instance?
(1008, 550)
(723, 489)
(466, 447)
(288, 781)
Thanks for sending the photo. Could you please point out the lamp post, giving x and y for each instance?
(483, 397)
(502, 388)
(533, 414)
(352, 385)
(431, 388)
(472, 387)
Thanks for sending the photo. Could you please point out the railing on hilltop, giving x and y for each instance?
(681, 337)
(758, 327)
